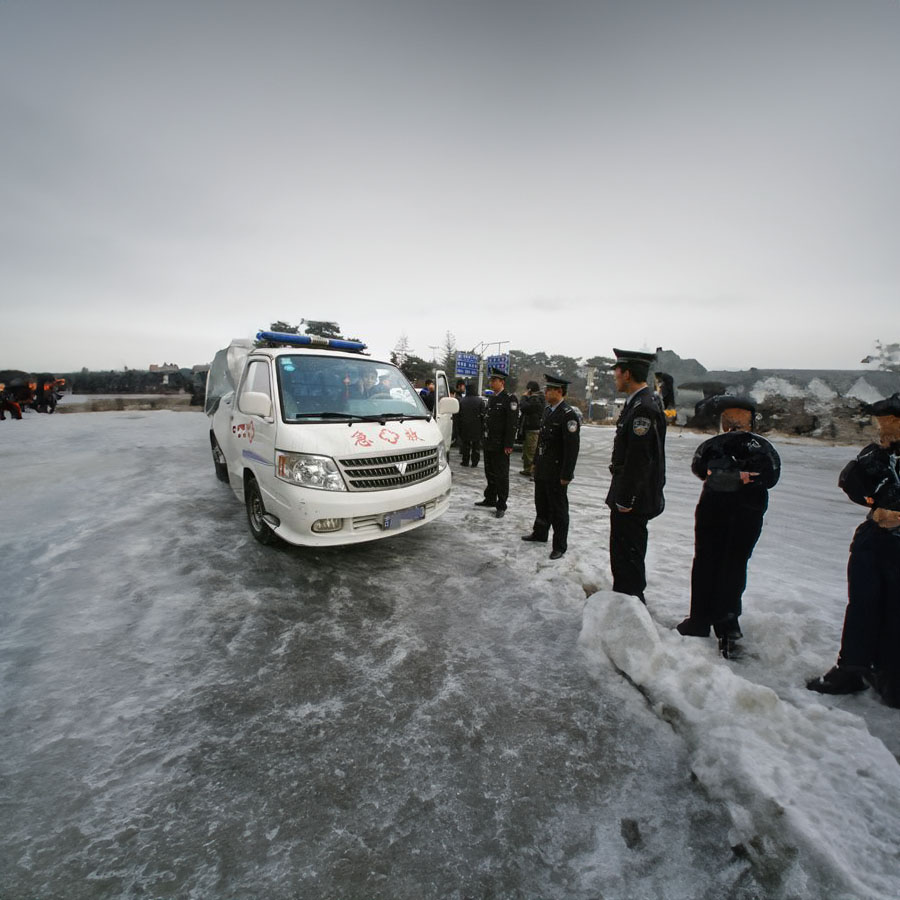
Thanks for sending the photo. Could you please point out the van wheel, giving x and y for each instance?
(218, 459)
(255, 511)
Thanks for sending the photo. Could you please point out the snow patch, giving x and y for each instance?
(778, 768)
(864, 391)
(778, 387)
(821, 391)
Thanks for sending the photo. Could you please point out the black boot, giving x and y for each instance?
(692, 628)
(838, 681)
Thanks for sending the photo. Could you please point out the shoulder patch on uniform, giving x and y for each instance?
(513, 405)
(572, 424)
(640, 426)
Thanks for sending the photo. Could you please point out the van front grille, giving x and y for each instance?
(377, 473)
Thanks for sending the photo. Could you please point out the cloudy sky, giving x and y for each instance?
(717, 178)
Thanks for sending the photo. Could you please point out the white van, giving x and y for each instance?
(325, 445)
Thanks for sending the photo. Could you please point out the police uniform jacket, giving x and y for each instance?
(638, 459)
(500, 419)
(720, 460)
(873, 478)
(558, 444)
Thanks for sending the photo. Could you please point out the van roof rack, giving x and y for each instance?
(310, 340)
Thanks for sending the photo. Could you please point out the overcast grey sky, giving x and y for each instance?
(717, 178)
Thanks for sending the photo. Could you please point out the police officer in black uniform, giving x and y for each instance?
(500, 420)
(638, 472)
(870, 642)
(554, 467)
(737, 468)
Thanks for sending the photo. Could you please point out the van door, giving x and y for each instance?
(254, 427)
(445, 406)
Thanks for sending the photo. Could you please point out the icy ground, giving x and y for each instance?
(444, 714)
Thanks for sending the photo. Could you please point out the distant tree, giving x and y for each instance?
(284, 328)
(448, 359)
(401, 350)
(600, 362)
(887, 357)
(416, 369)
(321, 328)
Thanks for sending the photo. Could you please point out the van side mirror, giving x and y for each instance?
(255, 403)
(448, 406)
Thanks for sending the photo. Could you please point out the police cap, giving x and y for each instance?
(497, 373)
(555, 381)
(888, 407)
(635, 361)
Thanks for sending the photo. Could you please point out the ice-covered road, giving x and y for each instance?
(188, 714)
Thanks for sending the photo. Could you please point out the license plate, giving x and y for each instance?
(396, 519)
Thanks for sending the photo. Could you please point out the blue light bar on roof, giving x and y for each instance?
(307, 340)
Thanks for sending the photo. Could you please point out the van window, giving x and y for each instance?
(257, 380)
(325, 388)
(441, 389)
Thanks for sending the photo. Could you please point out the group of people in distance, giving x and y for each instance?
(738, 468)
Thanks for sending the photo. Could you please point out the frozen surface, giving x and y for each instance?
(441, 714)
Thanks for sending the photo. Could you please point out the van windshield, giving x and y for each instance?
(327, 389)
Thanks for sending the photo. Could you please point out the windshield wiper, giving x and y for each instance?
(349, 418)
(327, 415)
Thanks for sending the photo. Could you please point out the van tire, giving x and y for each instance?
(218, 459)
(254, 503)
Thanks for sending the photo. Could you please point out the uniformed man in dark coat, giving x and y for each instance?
(470, 426)
(500, 419)
(554, 467)
(638, 472)
(737, 468)
(870, 642)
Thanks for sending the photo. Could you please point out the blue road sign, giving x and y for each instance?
(466, 365)
(500, 361)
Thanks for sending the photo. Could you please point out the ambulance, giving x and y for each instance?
(323, 444)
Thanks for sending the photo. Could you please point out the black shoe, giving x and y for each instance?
(557, 554)
(691, 628)
(730, 646)
(490, 503)
(465, 464)
(500, 513)
(837, 681)
(534, 537)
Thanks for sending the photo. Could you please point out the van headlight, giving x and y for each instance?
(442, 457)
(320, 472)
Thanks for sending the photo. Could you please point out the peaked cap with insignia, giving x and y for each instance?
(635, 361)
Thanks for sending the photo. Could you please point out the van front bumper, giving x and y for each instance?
(361, 514)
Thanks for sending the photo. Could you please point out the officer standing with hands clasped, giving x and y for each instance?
(737, 468)
(500, 420)
(870, 642)
(554, 467)
(638, 470)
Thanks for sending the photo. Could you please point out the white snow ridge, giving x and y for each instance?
(791, 778)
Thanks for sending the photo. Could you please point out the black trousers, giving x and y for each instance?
(627, 549)
(496, 470)
(725, 533)
(469, 450)
(551, 510)
(871, 635)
